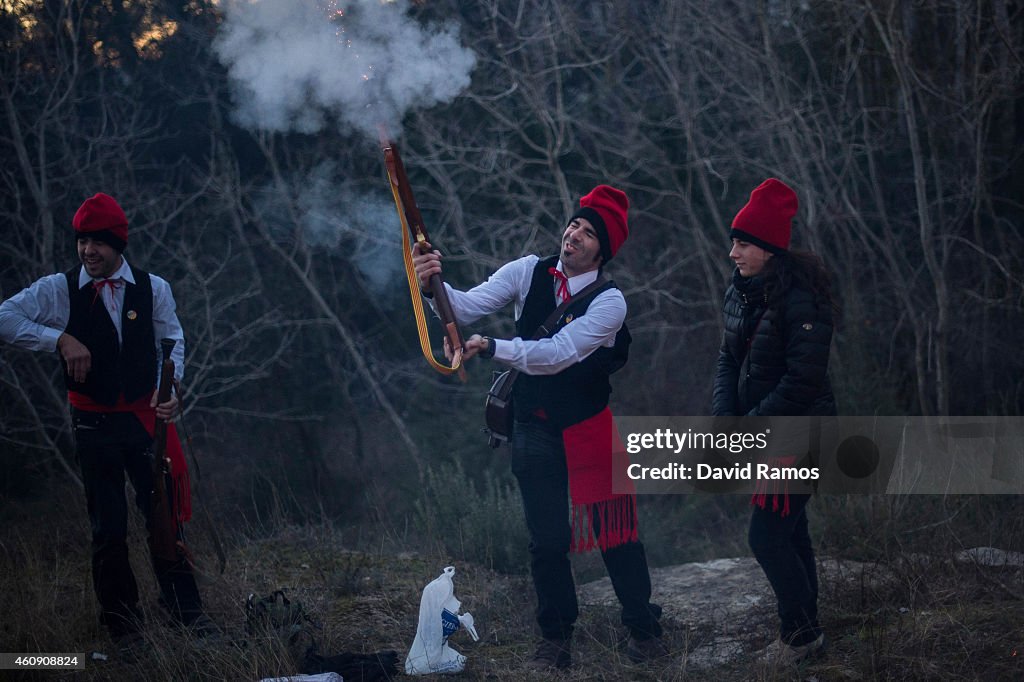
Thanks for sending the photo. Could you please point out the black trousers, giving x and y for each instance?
(109, 446)
(782, 545)
(538, 462)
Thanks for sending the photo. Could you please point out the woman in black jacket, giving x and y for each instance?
(774, 362)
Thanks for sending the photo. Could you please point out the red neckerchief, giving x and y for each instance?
(563, 284)
(112, 284)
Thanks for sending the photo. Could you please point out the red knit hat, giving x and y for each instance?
(767, 218)
(100, 218)
(605, 207)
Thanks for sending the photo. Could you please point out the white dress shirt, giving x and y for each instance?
(35, 317)
(571, 344)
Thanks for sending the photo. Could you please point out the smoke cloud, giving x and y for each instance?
(336, 214)
(295, 64)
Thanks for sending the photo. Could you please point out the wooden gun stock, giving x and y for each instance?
(163, 533)
(410, 215)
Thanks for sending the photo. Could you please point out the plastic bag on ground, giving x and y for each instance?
(439, 619)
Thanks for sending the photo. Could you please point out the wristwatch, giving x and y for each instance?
(488, 352)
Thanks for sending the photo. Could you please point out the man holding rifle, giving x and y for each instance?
(105, 318)
(561, 443)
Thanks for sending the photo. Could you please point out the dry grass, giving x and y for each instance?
(931, 619)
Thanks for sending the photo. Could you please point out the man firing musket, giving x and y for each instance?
(570, 338)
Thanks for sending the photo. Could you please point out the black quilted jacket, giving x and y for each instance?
(787, 372)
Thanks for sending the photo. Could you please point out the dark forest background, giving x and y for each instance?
(899, 124)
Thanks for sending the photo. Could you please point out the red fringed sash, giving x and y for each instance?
(761, 488)
(182, 492)
(600, 517)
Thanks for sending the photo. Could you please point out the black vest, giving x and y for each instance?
(581, 390)
(128, 367)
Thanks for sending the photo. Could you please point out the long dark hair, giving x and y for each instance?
(802, 269)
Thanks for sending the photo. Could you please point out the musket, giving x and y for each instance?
(413, 227)
(163, 534)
